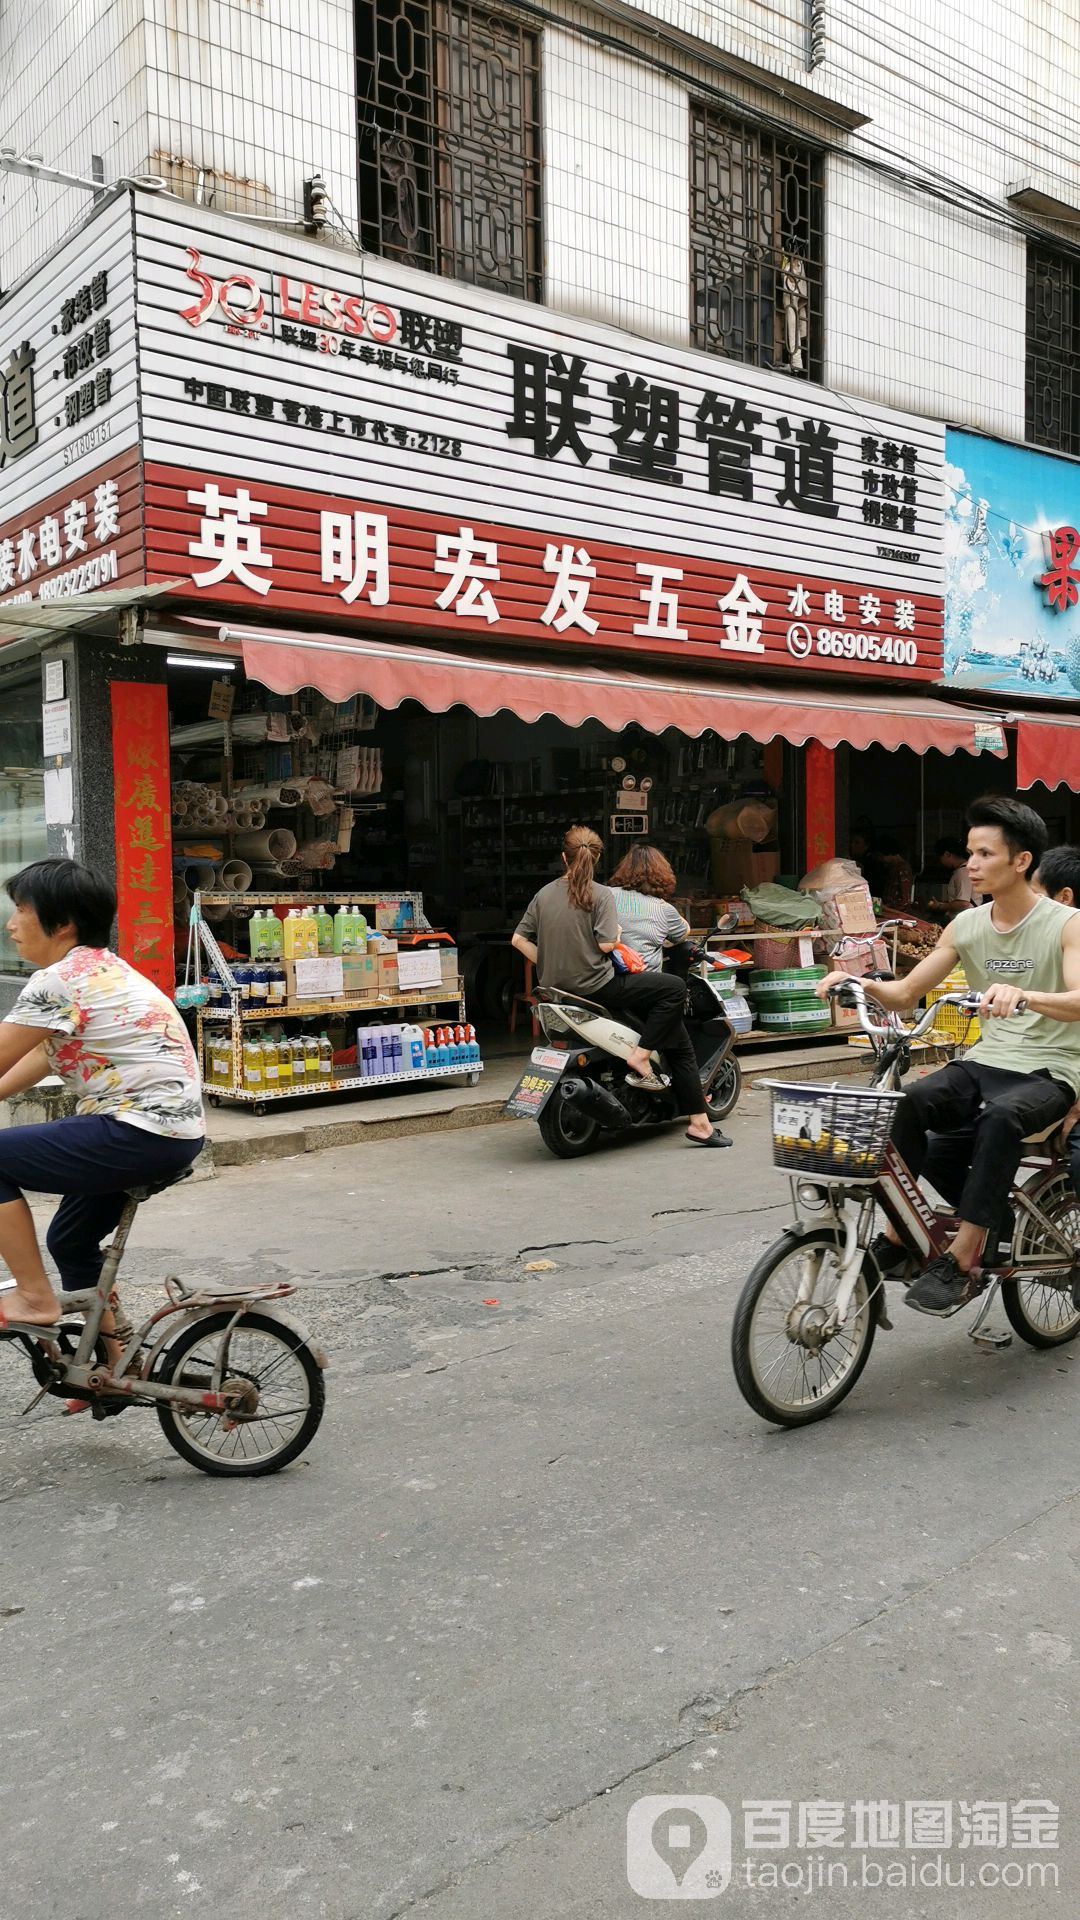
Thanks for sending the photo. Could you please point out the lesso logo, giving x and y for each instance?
(678, 1847)
(238, 301)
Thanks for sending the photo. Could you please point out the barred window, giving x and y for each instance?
(449, 124)
(1052, 384)
(755, 245)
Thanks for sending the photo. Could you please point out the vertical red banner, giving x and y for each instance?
(143, 813)
(820, 765)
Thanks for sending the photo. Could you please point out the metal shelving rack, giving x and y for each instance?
(235, 1014)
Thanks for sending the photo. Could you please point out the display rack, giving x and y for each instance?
(422, 1001)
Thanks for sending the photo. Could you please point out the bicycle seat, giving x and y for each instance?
(159, 1186)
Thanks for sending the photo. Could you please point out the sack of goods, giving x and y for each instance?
(784, 999)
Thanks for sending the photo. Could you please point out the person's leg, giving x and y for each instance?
(76, 1231)
(657, 1000)
(1016, 1105)
(941, 1103)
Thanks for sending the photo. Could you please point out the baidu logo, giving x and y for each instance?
(678, 1847)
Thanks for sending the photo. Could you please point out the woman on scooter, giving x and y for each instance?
(643, 883)
(569, 931)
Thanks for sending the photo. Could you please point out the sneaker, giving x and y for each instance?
(891, 1259)
(940, 1287)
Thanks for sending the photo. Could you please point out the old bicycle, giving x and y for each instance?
(806, 1319)
(237, 1384)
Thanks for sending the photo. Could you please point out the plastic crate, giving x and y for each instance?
(960, 1027)
(830, 1132)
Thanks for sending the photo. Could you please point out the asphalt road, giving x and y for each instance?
(541, 1561)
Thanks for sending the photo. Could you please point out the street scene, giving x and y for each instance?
(539, 958)
(540, 1562)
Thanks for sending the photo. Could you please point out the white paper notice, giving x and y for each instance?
(54, 680)
(56, 727)
(421, 969)
(59, 811)
(318, 979)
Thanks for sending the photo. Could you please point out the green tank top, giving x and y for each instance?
(1027, 956)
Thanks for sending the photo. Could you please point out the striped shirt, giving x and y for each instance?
(647, 924)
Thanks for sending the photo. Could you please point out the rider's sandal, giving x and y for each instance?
(648, 1082)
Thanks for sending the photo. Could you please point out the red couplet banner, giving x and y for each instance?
(140, 731)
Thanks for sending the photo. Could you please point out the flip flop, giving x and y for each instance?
(716, 1139)
(650, 1082)
(28, 1326)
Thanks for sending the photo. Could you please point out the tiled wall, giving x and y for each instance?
(924, 291)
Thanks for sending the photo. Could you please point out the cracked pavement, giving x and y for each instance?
(539, 1561)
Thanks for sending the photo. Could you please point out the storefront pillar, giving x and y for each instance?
(106, 757)
(820, 804)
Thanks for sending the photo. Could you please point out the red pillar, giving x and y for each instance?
(820, 804)
(142, 812)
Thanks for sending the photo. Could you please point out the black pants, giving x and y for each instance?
(656, 1001)
(1000, 1109)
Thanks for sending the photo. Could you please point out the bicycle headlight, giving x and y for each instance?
(813, 1198)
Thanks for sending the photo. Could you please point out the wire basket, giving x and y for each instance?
(831, 1133)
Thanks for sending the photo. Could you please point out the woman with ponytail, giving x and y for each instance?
(568, 931)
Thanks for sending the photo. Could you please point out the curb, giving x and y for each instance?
(348, 1133)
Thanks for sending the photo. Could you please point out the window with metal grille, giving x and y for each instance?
(449, 122)
(1052, 384)
(755, 244)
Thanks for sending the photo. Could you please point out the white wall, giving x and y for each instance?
(616, 205)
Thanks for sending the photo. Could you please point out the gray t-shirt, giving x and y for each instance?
(565, 938)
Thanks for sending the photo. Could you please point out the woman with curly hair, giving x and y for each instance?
(643, 883)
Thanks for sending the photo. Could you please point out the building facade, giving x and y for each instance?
(581, 362)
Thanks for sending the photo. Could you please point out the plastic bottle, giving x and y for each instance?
(397, 1044)
(386, 1050)
(473, 1045)
(291, 932)
(412, 1044)
(271, 1063)
(371, 1051)
(275, 985)
(258, 937)
(324, 925)
(442, 1052)
(326, 1057)
(360, 930)
(341, 919)
(260, 986)
(253, 1063)
(310, 1056)
(275, 934)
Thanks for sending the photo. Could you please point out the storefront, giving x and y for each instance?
(440, 571)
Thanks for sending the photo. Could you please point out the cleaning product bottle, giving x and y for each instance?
(324, 923)
(291, 931)
(311, 1057)
(360, 930)
(386, 1050)
(341, 920)
(326, 1057)
(298, 1059)
(473, 1045)
(413, 1049)
(372, 1052)
(274, 934)
(429, 1047)
(275, 984)
(257, 936)
(253, 1063)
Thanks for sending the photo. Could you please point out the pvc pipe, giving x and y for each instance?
(272, 844)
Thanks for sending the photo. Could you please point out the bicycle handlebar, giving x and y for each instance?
(968, 1001)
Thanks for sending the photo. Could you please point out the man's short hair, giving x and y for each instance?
(1058, 869)
(62, 894)
(1020, 826)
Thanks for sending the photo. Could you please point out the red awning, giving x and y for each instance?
(1048, 752)
(391, 671)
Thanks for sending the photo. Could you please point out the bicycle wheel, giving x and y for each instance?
(1042, 1315)
(263, 1353)
(784, 1369)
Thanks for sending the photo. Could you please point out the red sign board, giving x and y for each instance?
(140, 730)
(288, 550)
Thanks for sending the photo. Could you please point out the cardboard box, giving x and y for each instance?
(448, 960)
(845, 1017)
(313, 979)
(360, 973)
(387, 973)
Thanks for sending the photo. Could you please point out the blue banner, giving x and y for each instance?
(1012, 579)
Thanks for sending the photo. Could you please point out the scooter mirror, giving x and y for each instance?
(726, 923)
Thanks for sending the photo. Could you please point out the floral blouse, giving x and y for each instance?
(116, 1041)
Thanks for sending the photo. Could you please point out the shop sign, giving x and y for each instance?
(68, 403)
(144, 917)
(307, 553)
(1012, 582)
(722, 483)
(85, 537)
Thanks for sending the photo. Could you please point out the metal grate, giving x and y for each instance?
(755, 245)
(449, 134)
(1052, 384)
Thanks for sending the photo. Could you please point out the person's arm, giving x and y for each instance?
(675, 927)
(605, 919)
(899, 996)
(16, 1042)
(1003, 1001)
(524, 938)
(26, 1073)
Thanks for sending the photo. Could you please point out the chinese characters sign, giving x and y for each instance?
(309, 553)
(140, 730)
(83, 537)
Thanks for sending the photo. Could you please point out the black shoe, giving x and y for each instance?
(891, 1259)
(940, 1287)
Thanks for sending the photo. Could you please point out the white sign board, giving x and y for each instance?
(56, 727)
(318, 979)
(420, 969)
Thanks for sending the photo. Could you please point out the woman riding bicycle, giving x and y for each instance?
(114, 1040)
(569, 931)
